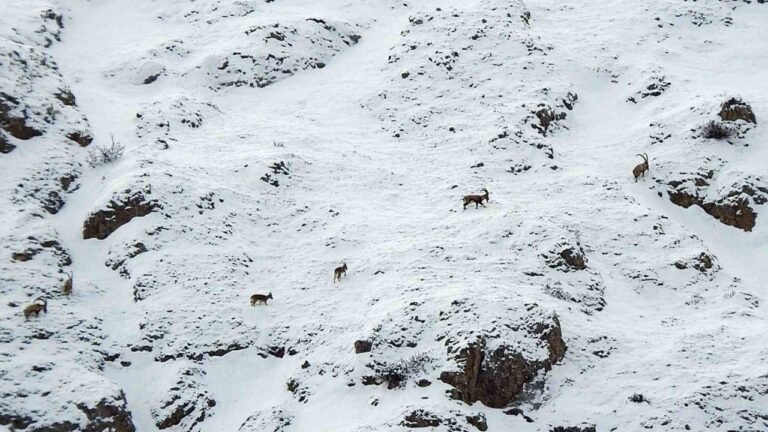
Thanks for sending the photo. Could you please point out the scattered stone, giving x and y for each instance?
(478, 421)
(421, 419)
(703, 263)
(82, 138)
(518, 412)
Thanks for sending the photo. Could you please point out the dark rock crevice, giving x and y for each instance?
(496, 377)
(102, 223)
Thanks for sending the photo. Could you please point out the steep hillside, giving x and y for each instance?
(265, 143)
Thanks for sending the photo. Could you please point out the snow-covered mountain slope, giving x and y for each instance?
(268, 142)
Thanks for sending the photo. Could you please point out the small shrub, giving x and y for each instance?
(396, 374)
(103, 154)
(717, 130)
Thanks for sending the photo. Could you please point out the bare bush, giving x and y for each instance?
(105, 154)
(717, 130)
(396, 374)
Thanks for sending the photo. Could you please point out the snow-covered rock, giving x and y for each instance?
(267, 142)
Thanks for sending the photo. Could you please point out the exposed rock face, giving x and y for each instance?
(574, 257)
(34, 99)
(738, 214)
(567, 257)
(36, 246)
(82, 138)
(362, 346)
(547, 116)
(5, 146)
(731, 210)
(703, 263)
(732, 205)
(109, 415)
(496, 377)
(14, 124)
(735, 109)
(187, 402)
(102, 223)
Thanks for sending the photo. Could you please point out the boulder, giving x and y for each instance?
(421, 419)
(363, 346)
(15, 125)
(735, 109)
(496, 376)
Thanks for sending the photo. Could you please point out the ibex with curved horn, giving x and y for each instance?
(339, 272)
(477, 199)
(66, 289)
(640, 169)
(36, 307)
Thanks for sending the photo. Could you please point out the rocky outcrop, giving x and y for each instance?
(83, 138)
(277, 51)
(496, 376)
(574, 258)
(735, 208)
(735, 109)
(566, 257)
(738, 214)
(186, 403)
(36, 246)
(34, 99)
(14, 124)
(478, 421)
(546, 116)
(102, 223)
(109, 415)
(362, 346)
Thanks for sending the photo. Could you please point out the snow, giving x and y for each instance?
(371, 169)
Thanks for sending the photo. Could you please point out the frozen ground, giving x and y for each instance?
(267, 142)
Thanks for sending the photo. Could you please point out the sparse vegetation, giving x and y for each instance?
(396, 374)
(105, 154)
(717, 130)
